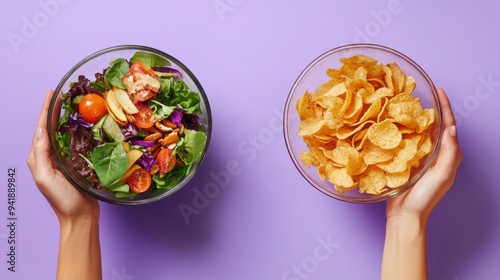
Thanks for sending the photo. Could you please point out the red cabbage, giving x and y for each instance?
(146, 160)
(143, 143)
(190, 121)
(129, 130)
(77, 119)
(176, 116)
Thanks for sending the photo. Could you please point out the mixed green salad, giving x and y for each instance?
(134, 128)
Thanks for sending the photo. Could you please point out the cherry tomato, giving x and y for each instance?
(166, 160)
(145, 118)
(143, 95)
(139, 181)
(138, 67)
(92, 107)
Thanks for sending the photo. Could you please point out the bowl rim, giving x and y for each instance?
(130, 47)
(431, 156)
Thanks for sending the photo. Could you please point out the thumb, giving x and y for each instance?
(42, 164)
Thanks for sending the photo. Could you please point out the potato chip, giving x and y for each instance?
(363, 127)
(373, 154)
(375, 81)
(304, 106)
(408, 149)
(398, 77)
(328, 102)
(383, 113)
(324, 88)
(374, 181)
(385, 134)
(424, 147)
(352, 113)
(378, 94)
(372, 112)
(332, 118)
(360, 59)
(347, 131)
(388, 76)
(336, 90)
(338, 155)
(360, 73)
(310, 126)
(395, 180)
(406, 113)
(358, 139)
(410, 84)
(308, 159)
(339, 178)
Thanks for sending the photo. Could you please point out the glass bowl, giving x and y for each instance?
(315, 75)
(88, 67)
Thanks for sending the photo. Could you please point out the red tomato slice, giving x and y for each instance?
(139, 181)
(143, 95)
(145, 118)
(166, 161)
(138, 67)
(92, 107)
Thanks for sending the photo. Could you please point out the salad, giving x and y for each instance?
(134, 128)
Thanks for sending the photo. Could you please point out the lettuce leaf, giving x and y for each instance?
(190, 149)
(110, 162)
(149, 59)
(117, 70)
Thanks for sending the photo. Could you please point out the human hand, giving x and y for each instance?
(419, 201)
(68, 203)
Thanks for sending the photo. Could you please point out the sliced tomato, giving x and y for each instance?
(143, 95)
(144, 118)
(92, 107)
(139, 181)
(138, 67)
(166, 161)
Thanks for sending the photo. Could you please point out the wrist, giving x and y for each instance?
(86, 221)
(409, 225)
(405, 248)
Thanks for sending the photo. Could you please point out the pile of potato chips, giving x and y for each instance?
(363, 127)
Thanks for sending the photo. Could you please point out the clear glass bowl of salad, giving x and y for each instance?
(129, 125)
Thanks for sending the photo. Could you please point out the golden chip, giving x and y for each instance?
(374, 181)
(373, 154)
(407, 150)
(398, 77)
(385, 134)
(339, 178)
(395, 180)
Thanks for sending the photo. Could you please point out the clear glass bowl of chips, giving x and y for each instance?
(363, 123)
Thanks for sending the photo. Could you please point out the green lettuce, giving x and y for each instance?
(149, 59)
(115, 73)
(110, 161)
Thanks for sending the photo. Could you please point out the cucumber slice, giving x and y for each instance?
(112, 129)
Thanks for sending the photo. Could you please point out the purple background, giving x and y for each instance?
(247, 54)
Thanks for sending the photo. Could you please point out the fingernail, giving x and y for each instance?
(453, 131)
(39, 133)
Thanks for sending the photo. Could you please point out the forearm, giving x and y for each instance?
(79, 250)
(405, 250)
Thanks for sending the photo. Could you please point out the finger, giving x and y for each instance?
(41, 158)
(450, 154)
(42, 118)
(448, 117)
